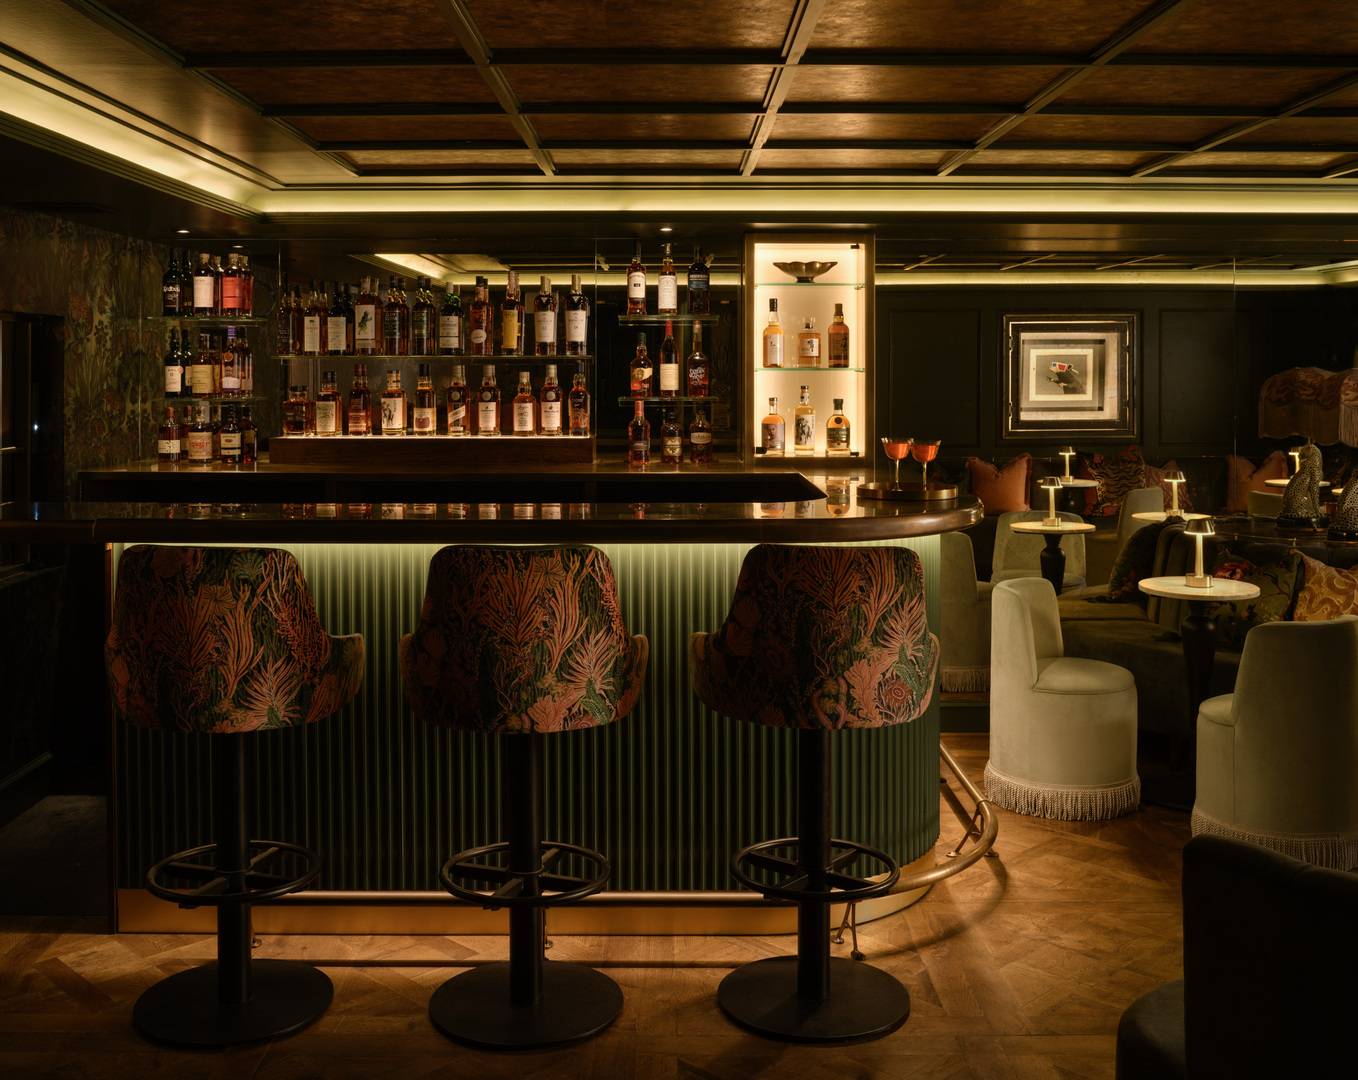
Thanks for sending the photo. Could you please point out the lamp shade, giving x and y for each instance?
(1050, 482)
(1175, 476)
(1200, 527)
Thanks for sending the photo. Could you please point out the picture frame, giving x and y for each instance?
(1070, 375)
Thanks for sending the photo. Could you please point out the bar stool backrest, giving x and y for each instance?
(821, 637)
(514, 640)
(223, 640)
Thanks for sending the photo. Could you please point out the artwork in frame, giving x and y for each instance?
(1069, 375)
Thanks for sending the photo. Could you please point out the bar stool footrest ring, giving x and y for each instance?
(271, 886)
(843, 888)
(553, 888)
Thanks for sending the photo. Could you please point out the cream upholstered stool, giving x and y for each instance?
(225, 642)
(1278, 758)
(1019, 556)
(818, 639)
(520, 642)
(964, 629)
(1062, 729)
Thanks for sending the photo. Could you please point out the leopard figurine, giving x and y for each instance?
(1344, 523)
(1301, 499)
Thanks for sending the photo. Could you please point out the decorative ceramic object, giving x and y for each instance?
(1344, 524)
(1301, 499)
(806, 272)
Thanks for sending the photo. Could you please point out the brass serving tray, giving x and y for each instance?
(884, 489)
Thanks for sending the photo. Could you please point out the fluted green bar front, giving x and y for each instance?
(668, 793)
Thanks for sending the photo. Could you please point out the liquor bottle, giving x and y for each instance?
(249, 441)
(773, 337)
(488, 403)
(185, 422)
(247, 286)
(185, 287)
(699, 285)
(808, 343)
(667, 286)
(700, 438)
(549, 408)
(199, 437)
(167, 437)
(217, 284)
(636, 283)
(169, 287)
(313, 322)
(837, 431)
(339, 329)
(480, 338)
(423, 322)
(228, 437)
(544, 319)
(525, 420)
(804, 424)
(328, 406)
(773, 431)
(299, 308)
(283, 342)
(393, 404)
(297, 412)
(396, 322)
(699, 378)
(425, 420)
(204, 286)
(455, 403)
(578, 403)
(201, 378)
(838, 343)
(511, 318)
(669, 364)
(360, 402)
(450, 322)
(245, 363)
(577, 320)
(233, 287)
(174, 367)
(671, 439)
(367, 319)
(231, 363)
(641, 369)
(639, 438)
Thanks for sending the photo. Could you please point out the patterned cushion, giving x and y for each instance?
(1001, 489)
(1123, 472)
(1155, 477)
(1326, 592)
(1277, 580)
(821, 637)
(519, 639)
(1242, 478)
(223, 640)
(1135, 561)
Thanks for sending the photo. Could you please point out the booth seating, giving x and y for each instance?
(1267, 992)
(1138, 501)
(964, 629)
(1278, 758)
(1017, 554)
(1062, 729)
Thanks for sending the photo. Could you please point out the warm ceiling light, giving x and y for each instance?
(237, 247)
(182, 232)
(667, 228)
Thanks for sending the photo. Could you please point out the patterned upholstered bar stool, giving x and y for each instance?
(225, 642)
(521, 642)
(818, 639)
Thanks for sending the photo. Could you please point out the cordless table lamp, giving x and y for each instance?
(1067, 452)
(1199, 529)
(1051, 485)
(1174, 479)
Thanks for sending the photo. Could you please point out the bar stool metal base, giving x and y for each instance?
(864, 1002)
(186, 1009)
(475, 1007)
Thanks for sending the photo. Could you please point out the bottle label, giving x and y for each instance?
(200, 445)
(810, 346)
(698, 280)
(523, 416)
(365, 325)
(551, 511)
(457, 414)
(837, 437)
(391, 328)
(393, 414)
(700, 438)
(337, 333)
(421, 323)
(551, 416)
(232, 293)
(509, 331)
(667, 293)
(479, 336)
(636, 285)
(839, 350)
(669, 378)
(203, 292)
(174, 379)
(230, 379)
(773, 350)
(230, 442)
(672, 447)
(360, 421)
(327, 418)
(169, 301)
(200, 378)
(167, 446)
(697, 380)
(773, 436)
(640, 450)
(805, 431)
(311, 334)
(576, 324)
(450, 332)
(426, 418)
(544, 327)
(487, 416)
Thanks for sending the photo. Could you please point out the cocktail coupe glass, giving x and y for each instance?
(897, 448)
(924, 451)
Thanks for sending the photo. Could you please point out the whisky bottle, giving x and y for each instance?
(328, 406)
(249, 437)
(339, 330)
(549, 408)
(544, 319)
(423, 321)
(233, 287)
(480, 338)
(641, 370)
(699, 285)
(204, 285)
(395, 321)
(838, 343)
(228, 437)
(773, 337)
(488, 403)
(313, 323)
(167, 437)
(511, 318)
(577, 320)
(636, 283)
(360, 402)
(232, 363)
(297, 412)
(169, 287)
(773, 431)
(578, 403)
(216, 266)
(174, 368)
(639, 438)
(808, 343)
(455, 403)
(367, 319)
(525, 419)
(804, 424)
(393, 404)
(247, 286)
(450, 322)
(667, 286)
(671, 439)
(698, 380)
(837, 431)
(199, 437)
(425, 419)
(700, 439)
(669, 364)
(201, 378)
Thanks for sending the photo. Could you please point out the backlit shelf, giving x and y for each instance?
(628, 399)
(802, 370)
(810, 285)
(203, 322)
(465, 358)
(661, 320)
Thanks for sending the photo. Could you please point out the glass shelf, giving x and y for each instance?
(216, 399)
(810, 284)
(822, 369)
(661, 320)
(465, 358)
(204, 321)
(627, 400)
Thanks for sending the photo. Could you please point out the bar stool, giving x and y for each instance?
(819, 639)
(224, 642)
(522, 642)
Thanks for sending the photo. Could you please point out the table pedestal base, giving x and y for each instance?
(1053, 562)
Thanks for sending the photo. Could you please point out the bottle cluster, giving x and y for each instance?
(673, 448)
(207, 287)
(809, 344)
(698, 285)
(207, 433)
(664, 376)
(219, 364)
(773, 429)
(366, 319)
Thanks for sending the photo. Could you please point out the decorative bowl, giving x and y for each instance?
(806, 272)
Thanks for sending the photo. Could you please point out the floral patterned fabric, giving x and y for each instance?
(1135, 561)
(1155, 477)
(821, 637)
(1326, 593)
(1116, 475)
(519, 639)
(1277, 580)
(223, 640)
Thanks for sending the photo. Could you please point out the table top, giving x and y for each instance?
(1060, 527)
(1161, 515)
(1077, 482)
(1282, 483)
(1176, 588)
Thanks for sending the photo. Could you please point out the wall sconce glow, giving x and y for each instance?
(667, 228)
(182, 232)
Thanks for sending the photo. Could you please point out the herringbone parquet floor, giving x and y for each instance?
(1018, 969)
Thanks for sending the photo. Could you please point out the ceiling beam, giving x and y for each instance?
(332, 58)
(799, 32)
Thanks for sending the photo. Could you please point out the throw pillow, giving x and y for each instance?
(1326, 592)
(1134, 562)
(1116, 475)
(1155, 477)
(1277, 580)
(1001, 490)
(1242, 478)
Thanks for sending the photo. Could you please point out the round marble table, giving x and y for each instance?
(1163, 515)
(1284, 481)
(1071, 487)
(1053, 559)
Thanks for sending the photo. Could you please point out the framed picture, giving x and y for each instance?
(1069, 375)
